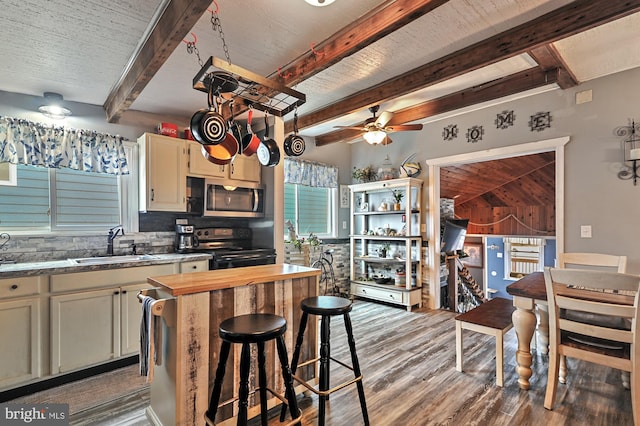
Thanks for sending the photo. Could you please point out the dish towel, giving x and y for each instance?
(150, 340)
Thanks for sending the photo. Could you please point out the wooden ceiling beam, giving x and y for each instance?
(371, 27)
(171, 26)
(516, 83)
(548, 57)
(576, 17)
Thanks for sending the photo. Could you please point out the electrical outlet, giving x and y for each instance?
(423, 227)
(344, 224)
(585, 231)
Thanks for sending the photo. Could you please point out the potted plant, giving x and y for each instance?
(366, 174)
(397, 197)
(385, 249)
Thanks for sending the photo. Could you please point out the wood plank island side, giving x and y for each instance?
(183, 381)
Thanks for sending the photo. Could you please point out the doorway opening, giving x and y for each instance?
(433, 217)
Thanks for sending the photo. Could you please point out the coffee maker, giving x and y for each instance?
(185, 241)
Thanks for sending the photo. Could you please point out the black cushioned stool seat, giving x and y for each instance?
(253, 329)
(326, 307)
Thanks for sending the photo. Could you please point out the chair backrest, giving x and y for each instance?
(602, 293)
(593, 261)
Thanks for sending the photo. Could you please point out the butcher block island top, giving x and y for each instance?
(220, 279)
(194, 305)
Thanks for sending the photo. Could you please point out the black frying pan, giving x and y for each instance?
(294, 144)
(208, 126)
(268, 150)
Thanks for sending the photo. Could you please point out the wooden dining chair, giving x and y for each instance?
(593, 261)
(607, 294)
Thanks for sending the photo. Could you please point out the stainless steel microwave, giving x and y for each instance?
(227, 199)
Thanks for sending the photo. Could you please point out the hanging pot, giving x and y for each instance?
(250, 141)
(235, 129)
(208, 126)
(294, 144)
(222, 153)
(268, 150)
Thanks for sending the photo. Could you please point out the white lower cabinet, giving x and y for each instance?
(85, 329)
(20, 335)
(131, 315)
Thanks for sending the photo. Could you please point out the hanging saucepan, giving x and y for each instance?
(208, 126)
(235, 129)
(222, 153)
(294, 144)
(268, 150)
(250, 141)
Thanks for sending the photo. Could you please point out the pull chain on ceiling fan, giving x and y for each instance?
(375, 129)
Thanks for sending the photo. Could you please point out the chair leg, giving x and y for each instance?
(459, 346)
(552, 379)
(290, 392)
(325, 334)
(296, 356)
(635, 393)
(262, 381)
(243, 392)
(499, 359)
(356, 367)
(210, 415)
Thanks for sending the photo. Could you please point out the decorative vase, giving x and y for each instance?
(396, 206)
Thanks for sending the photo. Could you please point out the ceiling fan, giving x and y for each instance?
(375, 128)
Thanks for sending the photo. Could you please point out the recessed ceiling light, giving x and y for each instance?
(54, 108)
(319, 3)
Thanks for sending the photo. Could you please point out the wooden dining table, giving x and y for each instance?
(528, 294)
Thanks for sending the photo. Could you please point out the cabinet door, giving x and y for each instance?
(85, 329)
(200, 166)
(131, 312)
(165, 170)
(20, 337)
(245, 168)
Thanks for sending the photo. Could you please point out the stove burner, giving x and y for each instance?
(231, 248)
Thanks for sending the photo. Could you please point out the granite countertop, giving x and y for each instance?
(13, 270)
(198, 282)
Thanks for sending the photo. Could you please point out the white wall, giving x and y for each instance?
(593, 193)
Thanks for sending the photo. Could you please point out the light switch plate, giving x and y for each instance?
(585, 231)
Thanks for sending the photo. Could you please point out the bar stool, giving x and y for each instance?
(258, 329)
(326, 307)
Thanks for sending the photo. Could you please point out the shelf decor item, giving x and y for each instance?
(367, 174)
(398, 195)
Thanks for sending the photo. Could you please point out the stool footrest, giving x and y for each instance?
(328, 391)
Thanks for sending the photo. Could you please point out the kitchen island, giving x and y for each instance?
(194, 306)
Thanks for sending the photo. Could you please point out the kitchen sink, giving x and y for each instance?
(112, 259)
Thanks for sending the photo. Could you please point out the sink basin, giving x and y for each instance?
(112, 259)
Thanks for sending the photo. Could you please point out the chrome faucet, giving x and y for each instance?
(119, 230)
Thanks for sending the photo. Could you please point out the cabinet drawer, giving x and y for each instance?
(25, 286)
(196, 266)
(108, 278)
(383, 294)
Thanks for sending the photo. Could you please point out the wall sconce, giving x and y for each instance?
(54, 107)
(375, 137)
(630, 151)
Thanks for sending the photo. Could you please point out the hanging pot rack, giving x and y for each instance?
(241, 86)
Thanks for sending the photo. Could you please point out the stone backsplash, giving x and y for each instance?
(30, 248)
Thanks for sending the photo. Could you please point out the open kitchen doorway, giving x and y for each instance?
(433, 216)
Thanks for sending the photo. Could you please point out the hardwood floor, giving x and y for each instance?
(408, 363)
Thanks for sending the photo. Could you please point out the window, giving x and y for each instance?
(312, 210)
(46, 200)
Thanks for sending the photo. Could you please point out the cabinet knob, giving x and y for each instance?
(194, 267)
(124, 291)
(116, 292)
(14, 286)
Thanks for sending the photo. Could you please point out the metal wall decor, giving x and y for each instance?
(540, 121)
(450, 132)
(630, 151)
(474, 134)
(505, 119)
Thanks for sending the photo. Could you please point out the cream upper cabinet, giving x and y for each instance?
(241, 168)
(162, 182)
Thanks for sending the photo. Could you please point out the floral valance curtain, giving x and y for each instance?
(36, 144)
(310, 174)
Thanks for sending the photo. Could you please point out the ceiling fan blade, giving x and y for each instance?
(350, 127)
(384, 118)
(403, 127)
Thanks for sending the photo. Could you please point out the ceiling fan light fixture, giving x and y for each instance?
(54, 108)
(319, 3)
(374, 137)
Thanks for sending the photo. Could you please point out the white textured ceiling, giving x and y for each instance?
(81, 48)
